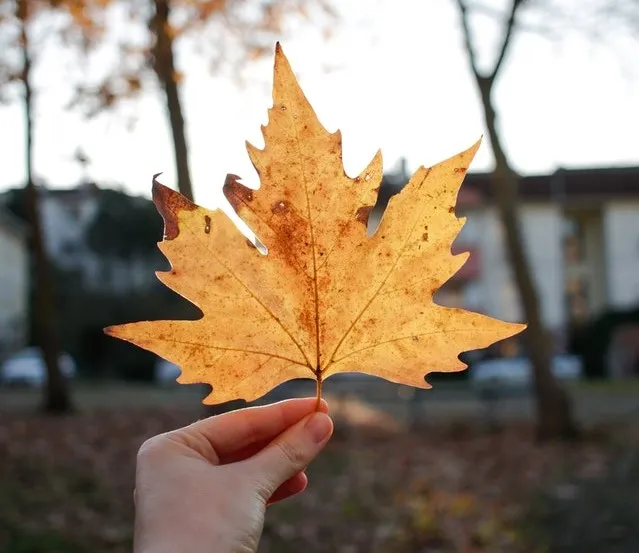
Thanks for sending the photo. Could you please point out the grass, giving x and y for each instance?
(39, 542)
(379, 487)
(629, 387)
(593, 513)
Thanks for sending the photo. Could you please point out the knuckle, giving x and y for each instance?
(151, 447)
(264, 488)
(291, 454)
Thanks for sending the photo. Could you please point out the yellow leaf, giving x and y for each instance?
(462, 504)
(327, 298)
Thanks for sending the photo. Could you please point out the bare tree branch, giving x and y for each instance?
(486, 81)
(510, 25)
(548, 31)
(468, 40)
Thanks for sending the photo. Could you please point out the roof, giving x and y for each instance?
(569, 184)
(564, 185)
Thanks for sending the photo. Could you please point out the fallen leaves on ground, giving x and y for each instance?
(327, 298)
(68, 482)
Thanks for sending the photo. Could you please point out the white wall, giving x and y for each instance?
(621, 243)
(14, 283)
(65, 230)
(65, 233)
(541, 226)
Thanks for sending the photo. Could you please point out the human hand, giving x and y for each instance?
(204, 488)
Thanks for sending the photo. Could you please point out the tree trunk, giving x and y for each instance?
(56, 398)
(164, 66)
(554, 417)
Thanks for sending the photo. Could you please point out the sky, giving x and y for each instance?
(392, 76)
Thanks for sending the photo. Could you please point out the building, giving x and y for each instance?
(66, 217)
(581, 232)
(14, 283)
(100, 235)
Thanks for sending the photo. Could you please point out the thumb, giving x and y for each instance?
(291, 452)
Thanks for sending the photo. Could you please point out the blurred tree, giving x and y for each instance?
(125, 227)
(18, 20)
(122, 235)
(231, 30)
(554, 414)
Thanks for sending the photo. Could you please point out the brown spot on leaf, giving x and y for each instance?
(307, 320)
(425, 236)
(235, 192)
(460, 169)
(291, 233)
(207, 224)
(280, 207)
(363, 213)
(451, 209)
(169, 203)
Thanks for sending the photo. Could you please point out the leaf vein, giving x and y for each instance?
(313, 254)
(241, 350)
(376, 293)
(377, 344)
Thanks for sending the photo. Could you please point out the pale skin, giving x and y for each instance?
(204, 488)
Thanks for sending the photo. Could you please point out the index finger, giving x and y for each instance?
(236, 430)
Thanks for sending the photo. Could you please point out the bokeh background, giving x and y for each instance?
(533, 449)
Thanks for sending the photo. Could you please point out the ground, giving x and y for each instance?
(441, 484)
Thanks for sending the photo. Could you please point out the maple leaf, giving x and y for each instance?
(326, 298)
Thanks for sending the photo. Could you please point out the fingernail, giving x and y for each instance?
(318, 426)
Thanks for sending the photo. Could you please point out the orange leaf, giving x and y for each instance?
(326, 298)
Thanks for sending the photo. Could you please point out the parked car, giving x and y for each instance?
(516, 372)
(27, 368)
(166, 372)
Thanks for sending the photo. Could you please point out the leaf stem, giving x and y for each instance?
(318, 375)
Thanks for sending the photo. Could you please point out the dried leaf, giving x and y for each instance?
(326, 298)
